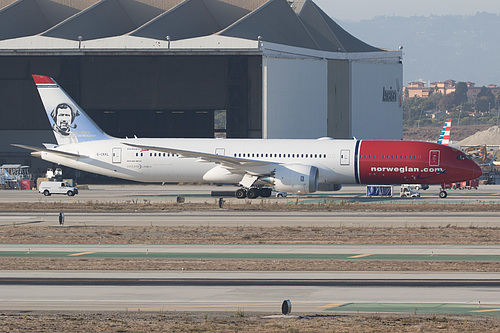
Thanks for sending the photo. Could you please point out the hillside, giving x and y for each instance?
(437, 48)
(432, 133)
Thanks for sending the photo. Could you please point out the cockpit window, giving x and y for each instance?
(463, 157)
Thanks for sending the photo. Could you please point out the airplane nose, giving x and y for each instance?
(476, 171)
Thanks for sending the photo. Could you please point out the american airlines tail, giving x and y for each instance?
(444, 137)
(68, 121)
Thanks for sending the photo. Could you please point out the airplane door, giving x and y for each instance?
(117, 155)
(434, 157)
(220, 151)
(345, 157)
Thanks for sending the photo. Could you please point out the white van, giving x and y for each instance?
(49, 188)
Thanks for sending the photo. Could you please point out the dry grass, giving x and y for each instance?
(326, 204)
(238, 321)
(34, 234)
(267, 265)
(245, 235)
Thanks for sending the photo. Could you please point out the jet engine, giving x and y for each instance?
(295, 178)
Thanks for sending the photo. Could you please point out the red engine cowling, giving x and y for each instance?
(295, 178)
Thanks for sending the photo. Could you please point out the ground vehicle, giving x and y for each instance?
(49, 188)
(416, 187)
(279, 194)
(408, 192)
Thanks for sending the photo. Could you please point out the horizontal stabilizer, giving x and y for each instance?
(52, 151)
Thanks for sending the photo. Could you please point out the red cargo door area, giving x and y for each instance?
(434, 157)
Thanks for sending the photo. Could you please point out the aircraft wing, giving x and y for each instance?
(226, 161)
(53, 151)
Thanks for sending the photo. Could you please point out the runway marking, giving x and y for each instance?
(361, 256)
(79, 254)
(489, 310)
(331, 305)
(211, 305)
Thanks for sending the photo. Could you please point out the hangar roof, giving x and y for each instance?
(297, 23)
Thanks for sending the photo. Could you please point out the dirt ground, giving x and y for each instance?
(289, 205)
(33, 234)
(239, 321)
(244, 235)
(243, 265)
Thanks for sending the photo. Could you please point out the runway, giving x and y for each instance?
(225, 218)
(309, 292)
(139, 193)
(258, 251)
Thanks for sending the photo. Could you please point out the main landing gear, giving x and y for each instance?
(443, 194)
(253, 193)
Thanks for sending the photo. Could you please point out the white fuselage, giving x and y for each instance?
(116, 159)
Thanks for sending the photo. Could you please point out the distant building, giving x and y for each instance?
(445, 87)
(419, 89)
(473, 91)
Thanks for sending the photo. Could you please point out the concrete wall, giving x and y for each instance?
(294, 98)
(376, 98)
(339, 101)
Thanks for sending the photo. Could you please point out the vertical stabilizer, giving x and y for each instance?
(444, 137)
(68, 121)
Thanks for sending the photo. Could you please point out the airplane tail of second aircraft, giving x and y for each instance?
(444, 137)
(68, 121)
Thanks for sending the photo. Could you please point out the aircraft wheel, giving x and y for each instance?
(443, 194)
(266, 193)
(241, 193)
(253, 193)
(46, 193)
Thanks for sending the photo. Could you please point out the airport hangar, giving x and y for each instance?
(194, 68)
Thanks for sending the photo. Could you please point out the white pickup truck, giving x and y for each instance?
(49, 188)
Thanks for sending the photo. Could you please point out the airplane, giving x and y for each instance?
(256, 165)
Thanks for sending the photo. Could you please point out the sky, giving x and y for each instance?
(357, 10)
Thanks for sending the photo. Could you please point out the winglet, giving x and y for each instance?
(42, 79)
